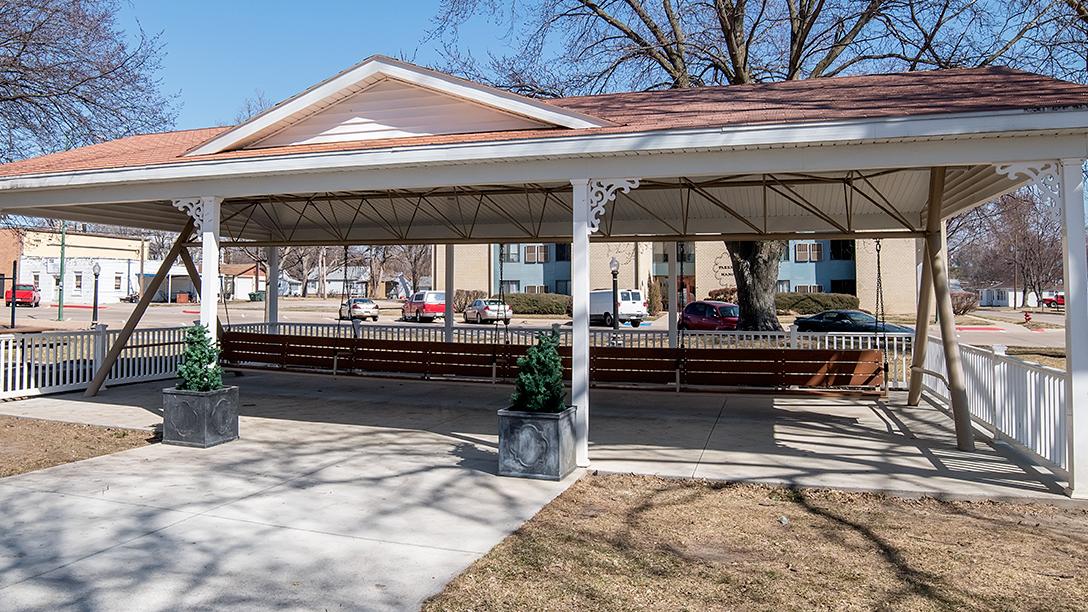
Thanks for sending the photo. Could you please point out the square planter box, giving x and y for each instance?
(199, 418)
(536, 444)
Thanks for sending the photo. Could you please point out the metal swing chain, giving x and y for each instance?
(676, 253)
(502, 290)
(881, 329)
(345, 293)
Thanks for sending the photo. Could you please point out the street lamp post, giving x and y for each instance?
(615, 266)
(97, 269)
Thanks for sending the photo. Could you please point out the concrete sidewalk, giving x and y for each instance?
(314, 509)
(373, 493)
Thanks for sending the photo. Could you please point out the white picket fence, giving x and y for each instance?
(1020, 403)
(54, 362)
(898, 345)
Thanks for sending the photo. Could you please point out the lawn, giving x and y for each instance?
(630, 542)
(31, 444)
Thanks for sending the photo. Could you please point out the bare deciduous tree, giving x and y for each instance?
(1018, 243)
(253, 106)
(413, 260)
(570, 47)
(69, 77)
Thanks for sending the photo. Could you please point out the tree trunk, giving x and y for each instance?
(755, 266)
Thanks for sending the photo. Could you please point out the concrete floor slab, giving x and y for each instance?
(372, 493)
(208, 563)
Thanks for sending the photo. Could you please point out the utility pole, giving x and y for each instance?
(60, 283)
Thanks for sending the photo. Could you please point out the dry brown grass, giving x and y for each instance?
(1053, 357)
(30, 444)
(636, 543)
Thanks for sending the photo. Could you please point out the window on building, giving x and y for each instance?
(562, 252)
(842, 250)
(783, 286)
(511, 253)
(785, 256)
(800, 252)
(117, 281)
(562, 286)
(809, 289)
(536, 253)
(816, 251)
(37, 280)
(511, 286)
(78, 286)
(536, 289)
(848, 286)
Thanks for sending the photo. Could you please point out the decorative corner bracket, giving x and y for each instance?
(603, 191)
(194, 207)
(1043, 176)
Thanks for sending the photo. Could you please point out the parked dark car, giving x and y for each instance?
(846, 321)
(709, 315)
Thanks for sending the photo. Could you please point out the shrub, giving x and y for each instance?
(723, 294)
(964, 302)
(539, 303)
(812, 303)
(539, 385)
(199, 369)
(654, 296)
(463, 297)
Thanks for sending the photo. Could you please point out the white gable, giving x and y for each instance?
(387, 98)
(394, 109)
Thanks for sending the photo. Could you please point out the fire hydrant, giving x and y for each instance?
(1027, 317)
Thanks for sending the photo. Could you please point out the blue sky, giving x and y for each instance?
(219, 52)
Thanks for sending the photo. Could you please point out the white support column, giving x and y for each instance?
(588, 201)
(205, 212)
(670, 251)
(579, 290)
(209, 268)
(449, 289)
(272, 289)
(1076, 323)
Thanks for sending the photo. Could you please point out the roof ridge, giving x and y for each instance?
(837, 78)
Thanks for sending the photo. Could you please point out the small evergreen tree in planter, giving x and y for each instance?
(199, 411)
(536, 433)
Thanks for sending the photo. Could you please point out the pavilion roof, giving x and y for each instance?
(976, 90)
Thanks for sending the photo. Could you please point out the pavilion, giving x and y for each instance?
(391, 153)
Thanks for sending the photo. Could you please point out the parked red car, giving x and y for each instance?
(25, 295)
(424, 306)
(710, 315)
(1054, 302)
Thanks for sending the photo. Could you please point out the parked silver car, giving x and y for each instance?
(488, 311)
(359, 308)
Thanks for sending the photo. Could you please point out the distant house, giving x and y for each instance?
(357, 277)
(1008, 297)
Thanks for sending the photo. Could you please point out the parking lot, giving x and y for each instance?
(292, 310)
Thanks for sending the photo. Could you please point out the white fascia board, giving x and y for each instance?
(855, 145)
(334, 88)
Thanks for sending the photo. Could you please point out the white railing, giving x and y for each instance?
(1018, 402)
(149, 354)
(55, 362)
(898, 346)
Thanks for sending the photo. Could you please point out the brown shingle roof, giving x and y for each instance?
(859, 97)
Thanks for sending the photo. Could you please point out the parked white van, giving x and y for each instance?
(632, 307)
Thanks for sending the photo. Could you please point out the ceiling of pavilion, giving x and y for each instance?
(748, 206)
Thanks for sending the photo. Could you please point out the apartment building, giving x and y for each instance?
(818, 266)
